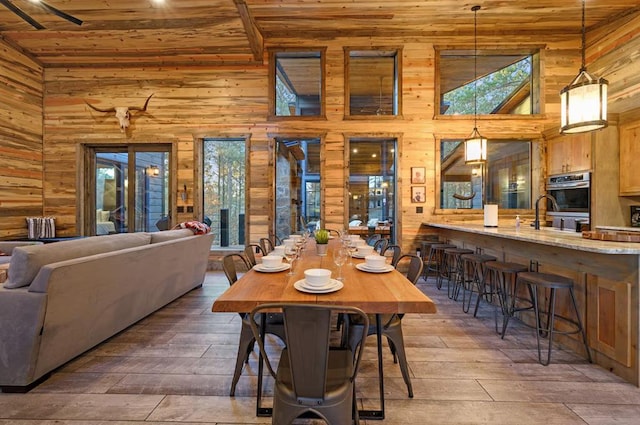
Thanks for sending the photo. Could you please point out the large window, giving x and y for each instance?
(507, 82)
(297, 187)
(224, 190)
(372, 184)
(373, 83)
(129, 189)
(297, 84)
(505, 179)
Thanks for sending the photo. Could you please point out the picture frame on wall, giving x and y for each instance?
(417, 175)
(635, 215)
(418, 194)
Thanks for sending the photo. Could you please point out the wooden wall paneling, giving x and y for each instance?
(21, 129)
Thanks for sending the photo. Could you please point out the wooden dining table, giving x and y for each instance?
(374, 293)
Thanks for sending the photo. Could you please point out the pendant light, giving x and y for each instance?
(475, 146)
(583, 103)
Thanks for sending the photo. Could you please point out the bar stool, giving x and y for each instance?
(535, 281)
(425, 250)
(475, 274)
(436, 261)
(455, 270)
(503, 282)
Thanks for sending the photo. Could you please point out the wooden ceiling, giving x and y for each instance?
(201, 32)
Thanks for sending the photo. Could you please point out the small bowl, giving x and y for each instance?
(272, 261)
(364, 250)
(317, 277)
(278, 250)
(358, 243)
(375, 261)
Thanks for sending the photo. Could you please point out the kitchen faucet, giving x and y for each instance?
(554, 204)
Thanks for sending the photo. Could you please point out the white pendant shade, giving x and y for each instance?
(583, 104)
(475, 148)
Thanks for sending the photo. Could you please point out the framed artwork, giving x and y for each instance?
(635, 215)
(418, 194)
(417, 175)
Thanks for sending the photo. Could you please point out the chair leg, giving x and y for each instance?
(394, 333)
(245, 346)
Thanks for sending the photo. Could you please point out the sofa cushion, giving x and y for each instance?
(26, 261)
(169, 235)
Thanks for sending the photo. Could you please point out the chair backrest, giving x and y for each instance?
(415, 266)
(380, 245)
(266, 245)
(396, 253)
(250, 253)
(229, 266)
(308, 330)
(371, 239)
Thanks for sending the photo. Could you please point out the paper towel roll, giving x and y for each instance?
(491, 215)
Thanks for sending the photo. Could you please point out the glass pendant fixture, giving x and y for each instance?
(583, 103)
(475, 146)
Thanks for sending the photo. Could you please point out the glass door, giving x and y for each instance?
(129, 189)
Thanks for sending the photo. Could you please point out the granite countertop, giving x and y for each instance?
(545, 236)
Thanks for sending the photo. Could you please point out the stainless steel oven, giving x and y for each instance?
(572, 192)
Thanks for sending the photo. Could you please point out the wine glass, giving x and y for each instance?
(339, 258)
(351, 249)
(290, 254)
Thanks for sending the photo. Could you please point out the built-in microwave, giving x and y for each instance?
(572, 193)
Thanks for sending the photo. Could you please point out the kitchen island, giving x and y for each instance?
(606, 276)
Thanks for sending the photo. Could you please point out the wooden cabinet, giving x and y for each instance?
(568, 153)
(629, 154)
(609, 322)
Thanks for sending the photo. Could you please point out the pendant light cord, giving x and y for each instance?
(475, 66)
(584, 39)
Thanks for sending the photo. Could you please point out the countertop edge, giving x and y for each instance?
(570, 241)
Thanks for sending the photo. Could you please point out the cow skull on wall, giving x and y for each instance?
(122, 112)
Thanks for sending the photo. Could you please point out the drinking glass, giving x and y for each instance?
(290, 254)
(351, 249)
(339, 258)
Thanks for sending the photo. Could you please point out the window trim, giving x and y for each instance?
(537, 75)
(398, 81)
(273, 52)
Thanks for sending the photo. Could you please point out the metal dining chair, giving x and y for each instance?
(393, 251)
(267, 245)
(273, 323)
(250, 253)
(328, 388)
(380, 245)
(391, 325)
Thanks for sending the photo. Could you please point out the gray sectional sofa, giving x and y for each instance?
(63, 298)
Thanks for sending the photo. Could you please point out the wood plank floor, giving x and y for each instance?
(175, 366)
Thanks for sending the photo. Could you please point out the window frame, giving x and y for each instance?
(380, 50)
(273, 53)
(538, 55)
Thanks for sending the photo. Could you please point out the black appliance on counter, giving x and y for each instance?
(572, 192)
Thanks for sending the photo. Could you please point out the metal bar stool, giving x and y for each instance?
(503, 278)
(425, 250)
(455, 270)
(436, 261)
(474, 275)
(552, 282)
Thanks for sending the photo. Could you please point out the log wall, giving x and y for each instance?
(21, 136)
(193, 102)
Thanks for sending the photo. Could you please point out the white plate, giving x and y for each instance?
(365, 268)
(361, 256)
(333, 286)
(262, 268)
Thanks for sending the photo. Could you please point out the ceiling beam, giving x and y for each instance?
(256, 41)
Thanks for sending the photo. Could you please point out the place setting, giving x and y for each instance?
(375, 263)
(318, 281)
(272, 264)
